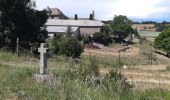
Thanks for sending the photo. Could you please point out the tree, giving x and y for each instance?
(161, 26)
(121, 26)
(162, 42)
(75, 17)
(70, 47)
(55, 43)
(19, 19)
(106, 29)
(66, 45)
(69, 31)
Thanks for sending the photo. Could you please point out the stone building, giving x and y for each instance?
(84, 27)
(55, 13)
(58, 23)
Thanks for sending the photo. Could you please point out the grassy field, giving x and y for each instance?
(74, 79)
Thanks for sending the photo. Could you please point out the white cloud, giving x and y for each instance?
(81, 7)
(106, 9)
(137, 8)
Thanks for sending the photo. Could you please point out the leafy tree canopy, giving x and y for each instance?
(162, 26)
(19, 19)
(121, 26)
(106, 29)
(162, 42)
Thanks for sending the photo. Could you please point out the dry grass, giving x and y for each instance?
(146, 27)
(72, 73)
(145, 68)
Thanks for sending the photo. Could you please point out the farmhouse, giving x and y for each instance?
(58, 23)
(83, 27)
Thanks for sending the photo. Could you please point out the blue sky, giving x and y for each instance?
(137, 10)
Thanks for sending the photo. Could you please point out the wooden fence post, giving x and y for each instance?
(17, 46)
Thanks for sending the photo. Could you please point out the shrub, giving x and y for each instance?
(102, 38)
(55, 43)
(93, 66)
(116, 83)
(162, 42)
(86, 40)
(70, 47)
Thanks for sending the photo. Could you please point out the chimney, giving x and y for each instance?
(93, 15)
(75, 17)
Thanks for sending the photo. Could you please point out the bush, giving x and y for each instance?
(55, 44)
(102, 38)
(86, 40)
(162, 42)
(116, 83)
(93, 66)
(70, 47)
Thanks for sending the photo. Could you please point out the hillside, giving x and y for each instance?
(76, 79)
(144, 27)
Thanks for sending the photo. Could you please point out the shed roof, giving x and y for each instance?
(78, 18)
(55, 22)
(59, 29)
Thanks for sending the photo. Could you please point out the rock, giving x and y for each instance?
(125, 67)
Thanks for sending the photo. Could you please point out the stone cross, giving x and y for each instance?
(43, 58)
